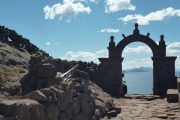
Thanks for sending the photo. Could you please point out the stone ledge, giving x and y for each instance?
(172, 95)
(178, 84)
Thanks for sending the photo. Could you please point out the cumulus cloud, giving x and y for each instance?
(153, 16)
(136, 63)
(173, 49)
(67, 10)
(94, 1)
(85, 56)
(118, 5)
(109, 30)
(137, 50)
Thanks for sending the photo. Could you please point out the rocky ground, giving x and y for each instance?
(146, 107)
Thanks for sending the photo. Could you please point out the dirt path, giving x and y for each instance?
(148, 107)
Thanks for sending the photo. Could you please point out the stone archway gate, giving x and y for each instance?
(163, 66)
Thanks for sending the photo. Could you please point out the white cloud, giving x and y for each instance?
(109, 30)
(85, 56)
(136, 63)
(173, 49)
(48, 43)
(137, 50)
(94, 1)
(153, 16)
(118, 5)
(67, 10)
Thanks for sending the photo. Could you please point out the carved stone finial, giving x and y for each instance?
(123, 35)
(111, 43)
(136, 30)
(148, 34)
(136, 25)
(162, 42)
(112, 38)
(162, 37)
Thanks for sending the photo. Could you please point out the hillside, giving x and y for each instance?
(13, 65)
(140, 69)
(30, 80)
(15, 52)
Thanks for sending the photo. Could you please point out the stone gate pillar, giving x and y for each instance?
(111, 74)
(164, 74)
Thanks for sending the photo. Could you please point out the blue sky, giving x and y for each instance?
(80, 29)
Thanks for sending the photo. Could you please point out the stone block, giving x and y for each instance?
(172, 95)
(36, 95)
(52, 111)
(24, 109)
(178, 84)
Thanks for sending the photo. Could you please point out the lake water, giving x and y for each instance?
(140, 82)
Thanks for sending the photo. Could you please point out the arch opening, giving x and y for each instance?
(137, 76)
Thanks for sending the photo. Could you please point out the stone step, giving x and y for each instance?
(178, 84)
(172, 95)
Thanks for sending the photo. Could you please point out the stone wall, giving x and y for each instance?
(46, 96)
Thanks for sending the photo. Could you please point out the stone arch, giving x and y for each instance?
(136, 38)
(163, 67)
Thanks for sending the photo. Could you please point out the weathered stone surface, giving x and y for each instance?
(52, 111)
(143, 109)
(24, 109)
(178, 84)
(76, 106)
(36, 95)
(8, 108)
(112, 113)
(172, 95)
(1, 117)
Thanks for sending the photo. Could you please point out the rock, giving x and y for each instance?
(162, 116)
(172, 95)
(81, 116)
(76, 106)
(46, 91)
(80, 74)
(24, 109)
(8, 108)
(78, 87)
(112, 113)
(69, 111)
(46, 70)
(63, 116)
(99, 114)
(51, 95)
(52, 111)
(178, 84)
(36, 95)
(1, 117)
(54, 89)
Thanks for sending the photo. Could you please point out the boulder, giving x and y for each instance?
(52, 111)
(36, 95)
(172, 95)
(178, 84)
(1, 117)
(46, 70)
(24, 109)
(112, 113)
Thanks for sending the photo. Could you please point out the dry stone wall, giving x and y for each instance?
(46, 96)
